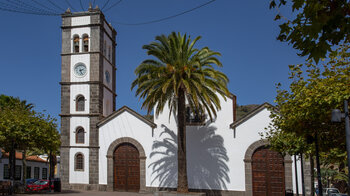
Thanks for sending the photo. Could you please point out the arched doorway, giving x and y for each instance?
(268, 173)
(126, 164)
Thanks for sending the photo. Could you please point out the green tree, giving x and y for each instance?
(24, 129)
(180, 73)
(305, 109)
(316, 27)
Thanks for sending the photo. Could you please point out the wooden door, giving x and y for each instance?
(126, 168)
(268, 173)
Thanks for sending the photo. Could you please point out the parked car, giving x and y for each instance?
(39, 185)
(329, 191)
(338, 194)
(30, 180)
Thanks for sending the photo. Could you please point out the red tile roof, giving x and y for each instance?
(28, 158)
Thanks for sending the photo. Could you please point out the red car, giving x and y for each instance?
(39, 185)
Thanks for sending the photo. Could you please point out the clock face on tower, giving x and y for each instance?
(80, 69)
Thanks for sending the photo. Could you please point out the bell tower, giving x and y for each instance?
(88, 92)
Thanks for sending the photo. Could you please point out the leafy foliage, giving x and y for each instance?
(306, 108)
(317, 26)
(180, 67)
(180, 74)
(27, 129)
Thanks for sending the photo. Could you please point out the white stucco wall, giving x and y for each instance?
(124, 125)
(79, 177)
(76, 122)
(80, 58)
(31, 164)
(79, 89)
(211, 163)
(107, 102)
(80, 20)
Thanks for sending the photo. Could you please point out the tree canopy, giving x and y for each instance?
(25, 128)
(316, 27)
(180, 74)
(306, 107)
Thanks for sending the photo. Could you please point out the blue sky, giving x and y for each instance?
(244, 32)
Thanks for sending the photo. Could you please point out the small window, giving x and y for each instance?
(18, 172)
(86, 43)
(79, 136)
(79, 162)
(76, 44)
(80, 103)
(29, 172)
(104, 48)
(194, 118)
(44, 174)
(6, 171)
(109, 53)
(36, 172)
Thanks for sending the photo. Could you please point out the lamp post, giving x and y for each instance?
(336, 117)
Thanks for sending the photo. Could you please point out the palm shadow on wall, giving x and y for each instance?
(206, 159)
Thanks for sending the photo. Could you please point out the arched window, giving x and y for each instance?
(86, 42)
(80, 103)
(104, 48)
(76, 43)
(79, 135)
(109, 53)
(79, 162)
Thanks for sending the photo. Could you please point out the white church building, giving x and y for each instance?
(120, 150)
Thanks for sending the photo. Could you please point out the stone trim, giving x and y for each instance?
(90, 52)
(132, 112)
(110, 151)
(288, 173)
(80, 115)
(252, 113)
(80, 147)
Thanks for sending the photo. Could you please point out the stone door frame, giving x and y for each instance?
(288, 173)
(110, 161)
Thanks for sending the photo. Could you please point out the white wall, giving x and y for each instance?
(81, 20)
(80, 177)
(31, 164)
(124, 125)
(76, 122)
(210, 162)
(80, 58)
(79, 89)
(107, 102)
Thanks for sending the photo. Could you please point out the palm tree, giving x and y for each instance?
(180, 74)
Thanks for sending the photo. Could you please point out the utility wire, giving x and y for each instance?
(21, 3)
(70, 5)
(11, 8)
(44, 6)
(112, 6)
(105, 5)
(10, 5)
(56, 5)
(167, 18)
(81, 5)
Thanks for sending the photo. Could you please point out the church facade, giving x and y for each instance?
(120, 150)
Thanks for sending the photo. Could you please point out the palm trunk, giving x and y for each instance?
(182, 184)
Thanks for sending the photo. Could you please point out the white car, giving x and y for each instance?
(329, 191)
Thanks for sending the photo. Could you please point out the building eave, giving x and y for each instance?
(131, 111)
(253, 113)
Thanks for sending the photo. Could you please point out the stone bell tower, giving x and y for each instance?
(88, 93)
